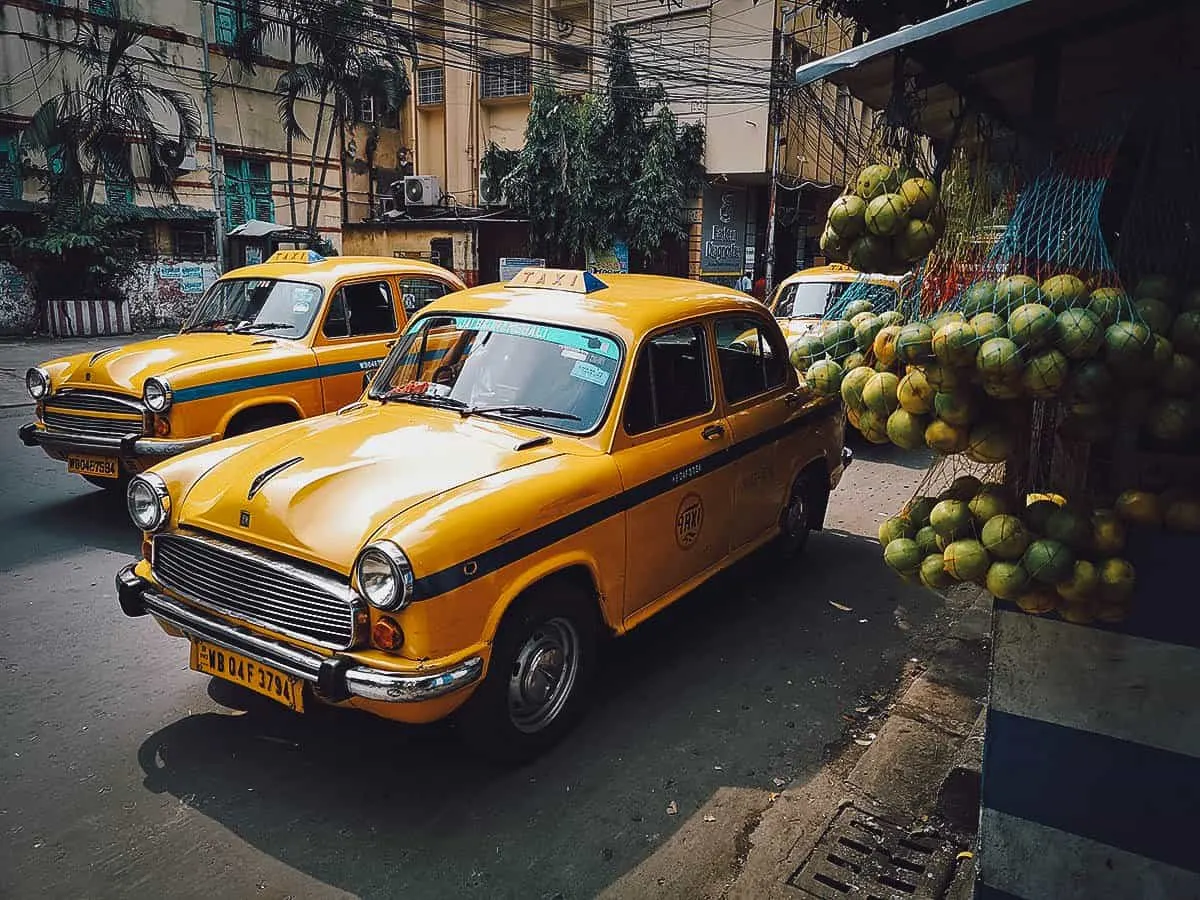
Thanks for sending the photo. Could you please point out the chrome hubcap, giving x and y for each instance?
(543, 675)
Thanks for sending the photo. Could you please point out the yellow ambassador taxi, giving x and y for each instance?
(536, 465)
(294, 337)
(804, 297)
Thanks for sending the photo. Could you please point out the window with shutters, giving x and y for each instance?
(235, 19)
(247, 190)
(118, 189)
(102, 7)
(506, 76)
(10, 167)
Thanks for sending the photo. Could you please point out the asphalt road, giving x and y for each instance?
(122, 773)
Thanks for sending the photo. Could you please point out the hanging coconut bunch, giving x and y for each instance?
(887, 221)
(1045, 555)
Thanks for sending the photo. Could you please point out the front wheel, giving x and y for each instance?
(541, 669)
(802, 507)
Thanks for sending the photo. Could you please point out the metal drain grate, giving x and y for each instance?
(860, 857)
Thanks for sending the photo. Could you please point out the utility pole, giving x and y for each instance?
(216, 172)
(777, 139)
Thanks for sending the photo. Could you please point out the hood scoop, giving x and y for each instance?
(533, 442)
(263, 477)
(100, 353)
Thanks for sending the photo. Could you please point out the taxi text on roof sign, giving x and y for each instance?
(577, 281)
(295, 256)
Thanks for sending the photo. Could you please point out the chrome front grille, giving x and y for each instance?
(259, 588)
(76, 411)
(90, 425)
(95, 401)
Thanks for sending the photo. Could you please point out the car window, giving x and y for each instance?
(359, 310)
(420, 292)
(750, 360)
(549, 375)
(266, 305)
(670, 381)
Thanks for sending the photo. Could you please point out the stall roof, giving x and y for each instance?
(1023, 62)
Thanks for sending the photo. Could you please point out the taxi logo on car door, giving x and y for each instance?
(689, 520)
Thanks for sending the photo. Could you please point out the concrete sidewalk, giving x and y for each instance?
(904, 786)
(17, 355)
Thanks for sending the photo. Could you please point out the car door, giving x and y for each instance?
(670, 449)
(755, 388)
(359, 326)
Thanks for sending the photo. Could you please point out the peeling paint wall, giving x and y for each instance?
(18, 314)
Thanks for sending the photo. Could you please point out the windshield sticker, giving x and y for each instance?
(553, 334)
(301, 306)
(587, 372)
(568, 353)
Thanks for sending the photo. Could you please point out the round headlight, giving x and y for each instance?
(383, 576)
(37, 382)
(148, 501)
(156, 394)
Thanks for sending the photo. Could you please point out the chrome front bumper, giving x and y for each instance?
(128, 447)
(334, 678)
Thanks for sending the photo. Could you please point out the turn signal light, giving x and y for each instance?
(386, 634)
(162, 426)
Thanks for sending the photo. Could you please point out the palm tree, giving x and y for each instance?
(117, 101)
(351, 55)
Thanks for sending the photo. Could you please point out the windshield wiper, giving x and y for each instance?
(425, 399)
(537, 411)
(261, 326)
(209, 323)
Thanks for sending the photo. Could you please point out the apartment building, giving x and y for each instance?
(239, 191)
(477, 63)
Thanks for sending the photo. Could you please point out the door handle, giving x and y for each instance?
(712, 432)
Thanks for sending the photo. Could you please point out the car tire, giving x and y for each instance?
(539, 677)
(256, 421)
(796, 522)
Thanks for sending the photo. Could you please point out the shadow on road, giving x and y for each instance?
(745, 682)
(46, 528)
(888, 454)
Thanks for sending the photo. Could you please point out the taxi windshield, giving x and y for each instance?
(545, 375)
(257, 306)
(814, 299)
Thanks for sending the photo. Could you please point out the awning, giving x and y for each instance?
(256, 228)
(1026, 62)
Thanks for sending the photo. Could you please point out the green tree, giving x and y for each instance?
(602, 167)
(349, 55)
(117, 108)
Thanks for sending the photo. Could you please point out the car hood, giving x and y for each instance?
(319, 488)
(125, 369)
(799, 327)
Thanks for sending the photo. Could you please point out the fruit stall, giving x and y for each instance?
(1034, 167)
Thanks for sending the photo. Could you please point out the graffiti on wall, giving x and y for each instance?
(164, 292)
(18, 312)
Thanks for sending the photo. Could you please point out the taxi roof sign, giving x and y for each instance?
(295, 256)
(577, 281)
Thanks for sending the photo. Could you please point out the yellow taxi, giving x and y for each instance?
(804, 297)
(291, 338)
(536, 465)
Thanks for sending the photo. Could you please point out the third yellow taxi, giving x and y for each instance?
(804, 297)
(536, 465)
(292, 337)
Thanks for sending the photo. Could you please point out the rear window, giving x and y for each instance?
(815, 299)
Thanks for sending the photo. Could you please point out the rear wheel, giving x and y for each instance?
(538, 680)
(799, 516)
(257, 420)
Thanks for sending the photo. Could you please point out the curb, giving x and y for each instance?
(919, 770)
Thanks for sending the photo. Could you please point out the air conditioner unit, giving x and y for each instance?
(179, 155)
(491, 191)
(422, 190)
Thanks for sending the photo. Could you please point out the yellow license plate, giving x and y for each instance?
(97, 466)
(286, 689)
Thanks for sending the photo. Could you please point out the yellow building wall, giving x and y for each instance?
(378, 239)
